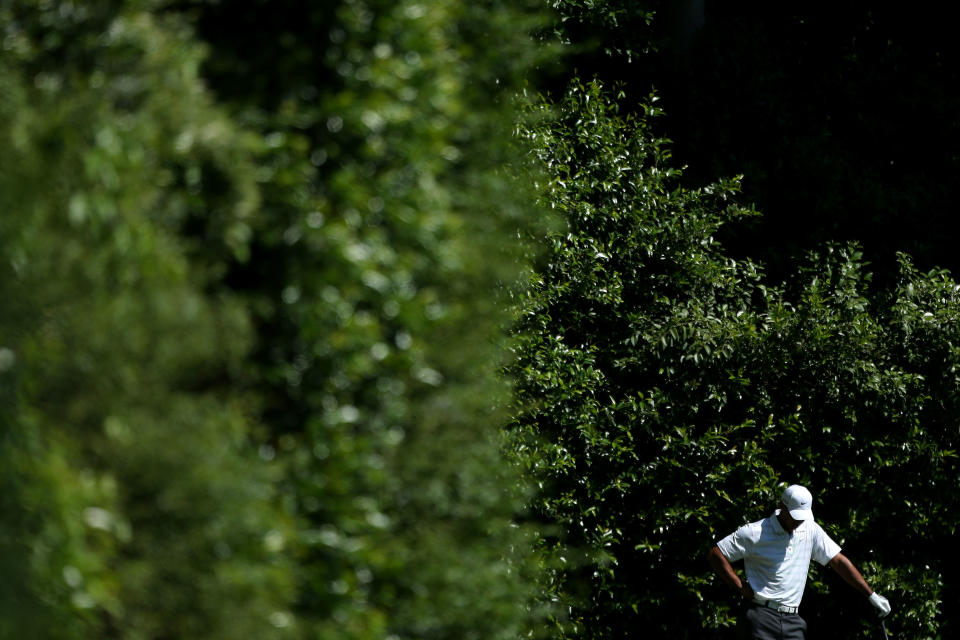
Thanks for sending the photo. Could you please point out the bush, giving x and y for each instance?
(664, 392)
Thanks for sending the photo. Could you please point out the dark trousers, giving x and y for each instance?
(763, 623)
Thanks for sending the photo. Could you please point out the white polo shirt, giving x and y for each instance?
(777, 562)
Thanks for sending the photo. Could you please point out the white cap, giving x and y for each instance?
(799, 502)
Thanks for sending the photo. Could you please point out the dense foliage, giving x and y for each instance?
(664, 393)
(256, 258)
(250, 344)
(139, 507)
(371, 277)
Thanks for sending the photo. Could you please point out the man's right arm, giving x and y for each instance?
(725, 570)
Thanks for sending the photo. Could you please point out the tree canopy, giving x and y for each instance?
(251, 354)
(665, 392)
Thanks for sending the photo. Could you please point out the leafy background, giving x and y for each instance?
(366, 320)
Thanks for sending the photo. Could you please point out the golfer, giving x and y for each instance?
(776, 555)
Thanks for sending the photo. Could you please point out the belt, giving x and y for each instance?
(776, 606)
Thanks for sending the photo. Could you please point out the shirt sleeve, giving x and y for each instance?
(736, 545)
(824, 548)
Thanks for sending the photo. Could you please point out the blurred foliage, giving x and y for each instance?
(664, 392)
(252, 362)
(255, 260)
(144, 511)
(388, 223)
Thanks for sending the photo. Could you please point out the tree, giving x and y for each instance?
(134, 504)
(310, 270)
(663, 391)
(388, 227)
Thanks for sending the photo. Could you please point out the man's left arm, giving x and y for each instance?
(842, 565)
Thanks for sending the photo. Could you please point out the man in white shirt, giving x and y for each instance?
(776, 555)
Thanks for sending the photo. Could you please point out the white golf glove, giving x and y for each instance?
(881, 603)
